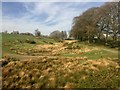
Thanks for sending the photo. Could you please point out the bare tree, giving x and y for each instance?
(37, 33)
(55, 34)
(97, 21)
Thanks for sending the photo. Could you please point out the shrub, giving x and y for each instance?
(3, 62)
(7, 59)
(30, 41)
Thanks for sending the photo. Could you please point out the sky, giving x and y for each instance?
(44, 16)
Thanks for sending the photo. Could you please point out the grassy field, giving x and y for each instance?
(51, 64)
(21, 41)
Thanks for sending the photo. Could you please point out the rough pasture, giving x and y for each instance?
(67, 64)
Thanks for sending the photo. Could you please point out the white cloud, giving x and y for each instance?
(55, 13)
(26, 24)
(47, 8)
(61, 15)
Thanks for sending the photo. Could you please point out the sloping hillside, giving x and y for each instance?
(30, 62)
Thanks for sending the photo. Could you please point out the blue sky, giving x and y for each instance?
(45, 16)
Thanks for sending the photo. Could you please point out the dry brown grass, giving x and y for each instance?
(44, 71)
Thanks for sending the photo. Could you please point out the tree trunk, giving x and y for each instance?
(106, 38)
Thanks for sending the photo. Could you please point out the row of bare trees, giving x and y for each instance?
(37, 33)
(101, 23)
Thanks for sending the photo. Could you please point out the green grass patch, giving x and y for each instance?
(22, 42)
(71, 55)
(95, 54)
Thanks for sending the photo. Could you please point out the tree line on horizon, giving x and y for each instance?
(58, 35)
